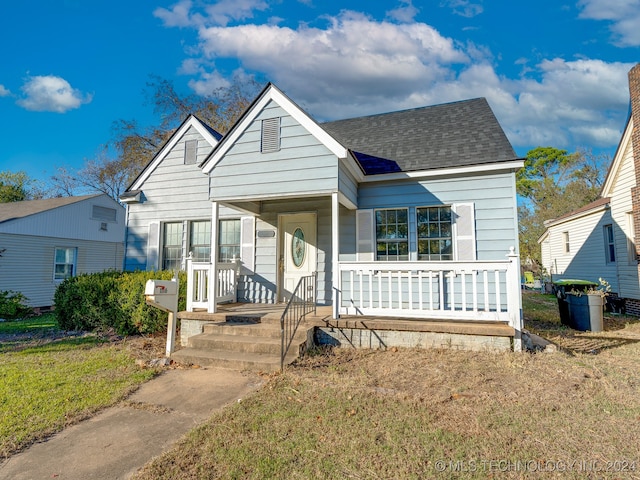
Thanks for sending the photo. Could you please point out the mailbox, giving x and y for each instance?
(163, 294)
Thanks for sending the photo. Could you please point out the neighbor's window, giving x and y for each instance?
(609, 244)
(392, 232)
(172, 246)
(200, 241)
(565, 240)
(64, 263)
(435, 238)
(229, 240)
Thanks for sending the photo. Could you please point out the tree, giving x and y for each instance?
(18, 186)
(133, 146)
(551, 183)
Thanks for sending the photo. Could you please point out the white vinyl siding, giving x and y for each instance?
(622, 221)
(586, 259)
(33, 275)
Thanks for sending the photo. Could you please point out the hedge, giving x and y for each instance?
(113, 301)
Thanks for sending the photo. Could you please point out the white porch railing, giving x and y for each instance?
(198, 274)
(483, 291)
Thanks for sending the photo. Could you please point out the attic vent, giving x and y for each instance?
(190, 150)
(104, 213)
(270, 135)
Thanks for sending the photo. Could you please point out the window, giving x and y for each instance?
(190, 152)
(64, 263)
(172, 246)
(270, 135)
(435, 238)
(565, 240)
(609, 244)
(229, 240)
(200, 241)
(392, 232)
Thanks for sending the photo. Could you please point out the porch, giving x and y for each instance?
(448, 298)
(250, 336)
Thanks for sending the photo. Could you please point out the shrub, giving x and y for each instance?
(112, 300)
(13, 305)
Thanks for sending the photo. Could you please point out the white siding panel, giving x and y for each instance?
(27, 263)
(620, 206)
(586, 258)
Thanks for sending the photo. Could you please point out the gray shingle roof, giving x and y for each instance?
(449, 135)
(15, 210)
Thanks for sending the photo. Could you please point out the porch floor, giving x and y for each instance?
(270, 314)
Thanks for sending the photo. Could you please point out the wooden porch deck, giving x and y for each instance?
(271, 313)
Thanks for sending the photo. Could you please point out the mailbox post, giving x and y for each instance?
(163, 294)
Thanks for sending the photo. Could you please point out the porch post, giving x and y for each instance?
(213, 269)
(514, 298)
(335, 252)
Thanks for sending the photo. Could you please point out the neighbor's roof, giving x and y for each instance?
(449, 135)
(577, 212)
(15, 210)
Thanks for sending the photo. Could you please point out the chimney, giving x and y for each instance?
(634, 94)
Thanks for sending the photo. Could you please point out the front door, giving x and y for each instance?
(297, 250)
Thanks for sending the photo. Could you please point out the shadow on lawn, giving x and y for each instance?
(542, 317)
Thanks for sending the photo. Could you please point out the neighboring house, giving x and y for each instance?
(370, 204)
(600, 239)
(46, 241)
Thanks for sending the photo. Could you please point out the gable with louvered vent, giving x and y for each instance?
(270, 135)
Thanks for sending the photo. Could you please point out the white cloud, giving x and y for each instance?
(405, 13)
(464, 8)
(219, 13)
(51, 94)
(624, 15)
(355, 65)
(4, 92)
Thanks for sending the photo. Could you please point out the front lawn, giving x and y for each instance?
(408, 414)
(49, 381)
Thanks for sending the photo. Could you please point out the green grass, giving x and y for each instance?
(47, 385)
(39, 325)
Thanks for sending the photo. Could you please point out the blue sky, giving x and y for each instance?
(554, 72)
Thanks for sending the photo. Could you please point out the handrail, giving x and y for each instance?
(302, 302)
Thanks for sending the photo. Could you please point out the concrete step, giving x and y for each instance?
(240, 343)
(257, 362)
(252, 330)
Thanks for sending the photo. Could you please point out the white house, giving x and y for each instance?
(46, 241)
(600, 239)
(409, 213)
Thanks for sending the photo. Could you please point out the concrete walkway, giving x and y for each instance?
(120, 440)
